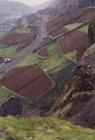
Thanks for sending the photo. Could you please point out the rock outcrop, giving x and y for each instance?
(78, 101)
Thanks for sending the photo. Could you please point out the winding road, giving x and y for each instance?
(36, 45)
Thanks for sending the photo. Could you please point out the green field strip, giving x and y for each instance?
(8, 52)
(5, 95)
(24, 30)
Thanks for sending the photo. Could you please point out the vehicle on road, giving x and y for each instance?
(7, 60)
(45, 37)
(34, 50)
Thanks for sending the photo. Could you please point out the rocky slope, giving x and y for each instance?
(78, 101)
(65, 5)
(89, 56)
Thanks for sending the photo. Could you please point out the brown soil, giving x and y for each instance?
(30, 82)
(43, 53)
(20, 40)
(56, 25)
(75, 41)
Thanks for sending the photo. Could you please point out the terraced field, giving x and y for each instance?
(6, 105)
(30, 82)
(54, 60)
(3, 33)
(8, 53)
(56, 65)
(84, 29)
(43, 53)
(24, 30)
(75, 41)
(71, 55)
(56, 25)
(19, 40)
(5, 95)
(73, 26)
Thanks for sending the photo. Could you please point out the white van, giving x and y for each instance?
(6, 60)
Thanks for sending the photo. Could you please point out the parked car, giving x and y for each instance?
(6, 60)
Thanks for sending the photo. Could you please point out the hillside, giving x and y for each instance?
(89, 56)
(13, 9)
(48, 88)
(56, 25)
(77, 102)
(67, 5)
(64, 5)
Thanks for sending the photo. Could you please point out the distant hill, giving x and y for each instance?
(65, 5)
(10, 9)
(42, 6)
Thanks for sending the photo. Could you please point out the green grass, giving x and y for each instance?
(8, 52)
(58, 68)
(54, 60)
(11, 51)
(24, 30)
(75, 25)
(71, 55)
(84, 29)
(3, 33)
(4, 95)
(39, 128)
(72, 26)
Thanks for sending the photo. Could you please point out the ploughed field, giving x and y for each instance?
(56, 25)
(18, 39)
(74, 41)
(9, 101)
(43, 53)
(33, 83)
(30, 82)
(56, 65)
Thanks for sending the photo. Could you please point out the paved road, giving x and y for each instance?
(37, 44)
